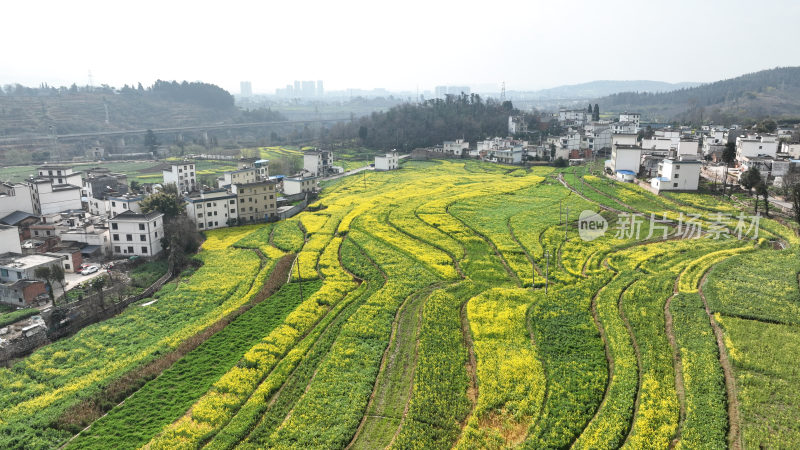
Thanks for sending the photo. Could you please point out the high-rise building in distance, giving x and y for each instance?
(245, 89)
(320, 90)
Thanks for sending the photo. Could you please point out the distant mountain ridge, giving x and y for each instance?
(601, 88)
(48, 110)
(751, 97)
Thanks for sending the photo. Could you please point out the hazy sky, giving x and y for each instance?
(395, 45)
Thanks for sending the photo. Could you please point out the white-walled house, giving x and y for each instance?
(792, 149)
(677, 175)
(9, 239)
(756, 145)
(182, 175)
(457, 147)
(624, 139)
(212, 209)
(127, 202)
(137, 234)
(318, 163)
(634, 118)
(17, 197)
(389, 161)
(625, 161)
(54, 198)
(299, 185)
(59, 175)
(688, 149)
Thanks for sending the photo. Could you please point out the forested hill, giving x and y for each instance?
(769, 93)
(410, 126)
(74, 109)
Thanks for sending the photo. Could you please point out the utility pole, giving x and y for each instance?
(546, 272)
(566, 222)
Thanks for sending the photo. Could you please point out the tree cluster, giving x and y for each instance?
(409, 126)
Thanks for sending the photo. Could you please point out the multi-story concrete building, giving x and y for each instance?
(123, 203)
(756, 145)
(17, 197)
(257, 201)
(137, 234)
(299, 185)
(54, 198)
(389, 161)
(59, 175)
(634, 118)
(318, 163)
(677, 175)
(212, 209)
(9, 239)
(181, 175)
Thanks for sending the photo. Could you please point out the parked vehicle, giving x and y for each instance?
(88, 270)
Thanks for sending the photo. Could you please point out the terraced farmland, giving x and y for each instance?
(446, 304)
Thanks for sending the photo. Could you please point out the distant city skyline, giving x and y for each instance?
(356, 44)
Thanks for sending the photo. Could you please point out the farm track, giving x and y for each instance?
(677, 363)
(397, 358)
(637, 351)
(92, 409)
(734, 418)
(609, 357)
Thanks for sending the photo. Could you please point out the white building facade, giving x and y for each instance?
(388, 161)
(137, 234)
(212, 209)
(182, 175)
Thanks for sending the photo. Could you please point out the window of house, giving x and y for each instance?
(19, 275)
(232, 202)
(66, 266)
(141, 226)
(113, 203)
(116, 249)
(200, 225)
(233, 210)
(128, 237)
(116, 237)
(143, 237)
(156, 234)
(676, 175)
(36, 232)
(674, 184)
(113, 226)
(144, 249)
(199, 214)
(130, 249)
(243, 209)
(4, 272)
(215, 213)
(208, 205)
(210, 224)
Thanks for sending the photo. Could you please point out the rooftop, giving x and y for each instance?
(132, 216)
(17, 261)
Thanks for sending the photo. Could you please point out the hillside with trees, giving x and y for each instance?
(64, 110)
(771, 93)
(409, 126)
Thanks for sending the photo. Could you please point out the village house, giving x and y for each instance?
(257, 201)
(182, 175)
(135, 234)
(212, 209)
(389, 161)
(318, 163)
(675, 174)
